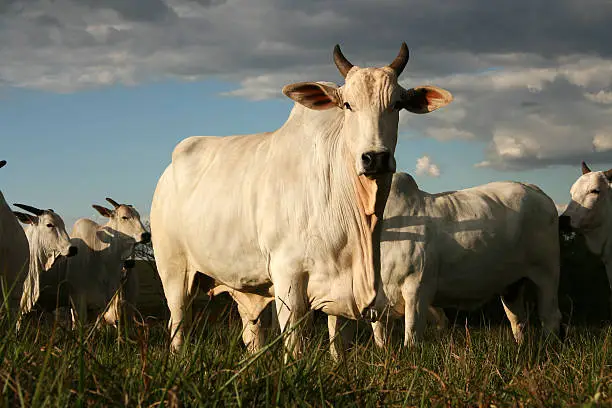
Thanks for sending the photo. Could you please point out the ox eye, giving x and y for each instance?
(124, 218)
(50, 225)
(347, 106)
(596, 191)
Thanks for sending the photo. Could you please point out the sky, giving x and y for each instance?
(95, 94)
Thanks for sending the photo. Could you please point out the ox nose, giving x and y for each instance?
(72, 251)
(376, 163)
(145, 237)
(129, 263)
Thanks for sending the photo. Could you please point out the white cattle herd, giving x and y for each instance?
(312, 216)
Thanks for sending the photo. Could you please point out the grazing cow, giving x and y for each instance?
(590, 213)
(289, 215)
(95, 275)
(47, 240)
(14, 256)
(91, 279)
(460, 248)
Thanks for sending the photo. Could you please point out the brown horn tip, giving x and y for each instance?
(585, 168)
(113, 202)
(399, 63)
(33, 210)
(2, 163)
(608, 174)
(343, 65)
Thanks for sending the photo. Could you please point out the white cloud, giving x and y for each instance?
(448, 133)
(426, 167)
(603, 141)
(602, 97)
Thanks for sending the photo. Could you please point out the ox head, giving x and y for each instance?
(591, 199)
(371, 99)
(47, 234)
(125, 219)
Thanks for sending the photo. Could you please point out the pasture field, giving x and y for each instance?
(47, 365)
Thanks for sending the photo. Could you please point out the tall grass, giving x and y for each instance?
(46, 365)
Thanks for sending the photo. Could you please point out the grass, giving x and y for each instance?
(46, 365)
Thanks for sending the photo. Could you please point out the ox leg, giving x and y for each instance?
(78, 310)
(252, 332)
(176, 290)
(609, 273)
(437, 316)
(513, 301)
(548, 303)
(416, 308)
(291, 307)
(339, 337)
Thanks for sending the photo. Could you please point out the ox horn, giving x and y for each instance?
(585, 168)
(344, 65)
(2, 163)
(33, 210)
(399, 63)
(608, 174)
(113, 202)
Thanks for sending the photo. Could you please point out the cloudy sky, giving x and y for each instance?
(94, 94)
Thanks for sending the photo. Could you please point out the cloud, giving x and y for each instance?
(533, 81)
(426, 167)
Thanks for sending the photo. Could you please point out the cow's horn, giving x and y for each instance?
(344, 66)
(585, 168)
(608, 174)
(113, 202)
(399, 63)
(33, 210)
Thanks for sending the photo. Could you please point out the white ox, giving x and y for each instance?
(47, 241)
(291, 214)
(14, 256)
(91, 280)
(460, 248)
(590, 213)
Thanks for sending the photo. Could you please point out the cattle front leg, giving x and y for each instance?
(291, 307)
(340, 336)
(252, 333)
(416, 309)
(548, 303)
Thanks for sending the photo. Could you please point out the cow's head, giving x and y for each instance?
(47, 234)
(371, 99)
(125, 219)
(591, 199)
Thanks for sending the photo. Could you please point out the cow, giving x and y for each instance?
(14, 256)
(288, 215)
(104, 251)
(460, 248)
(47, 242)
(590, 213)
(91, 279)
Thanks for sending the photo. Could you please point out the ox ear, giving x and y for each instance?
(425, 99)
(26, 218)
(105, 212)
(313, 95)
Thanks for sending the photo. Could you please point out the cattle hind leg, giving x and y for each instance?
(417, 303)
(513, 300)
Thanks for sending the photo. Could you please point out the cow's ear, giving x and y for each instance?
(26, 218)
(313, 95)
(425, 99)
(105, 212)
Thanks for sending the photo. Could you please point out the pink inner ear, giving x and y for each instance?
(436, 99)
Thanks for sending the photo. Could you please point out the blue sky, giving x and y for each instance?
(94, 95)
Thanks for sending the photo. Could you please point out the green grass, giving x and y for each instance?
(49, 366)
